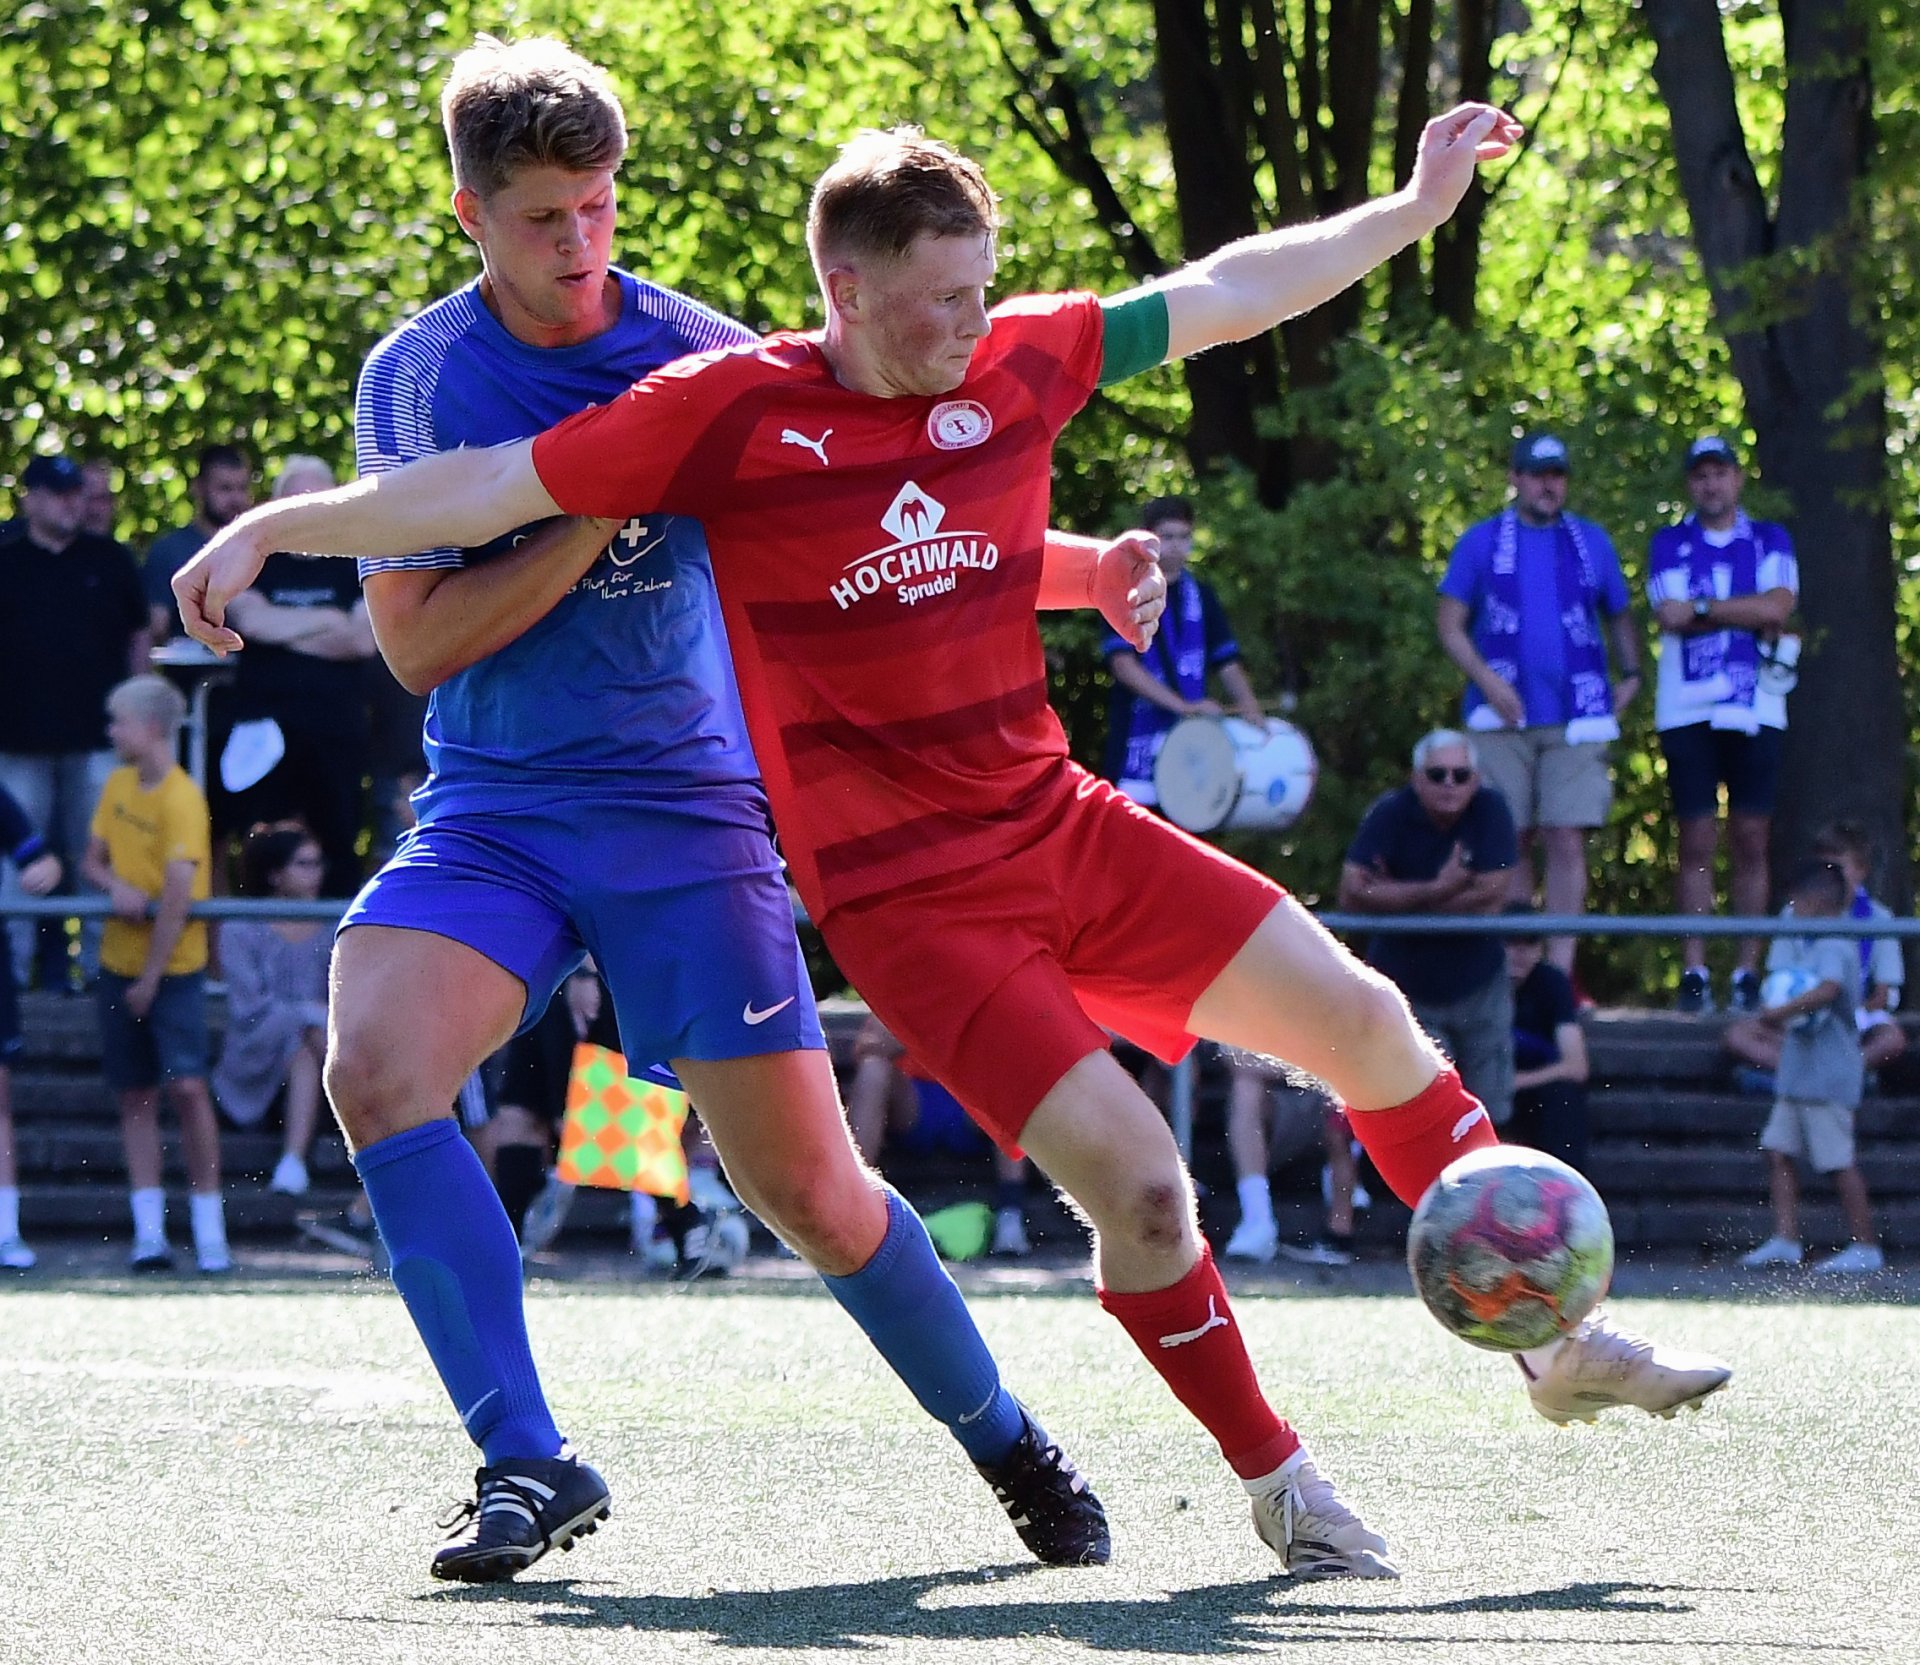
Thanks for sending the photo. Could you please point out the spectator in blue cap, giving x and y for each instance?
(1722, 588)
(1530, 602)
(54, 681)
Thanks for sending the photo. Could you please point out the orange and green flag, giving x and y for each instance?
(621, 1133)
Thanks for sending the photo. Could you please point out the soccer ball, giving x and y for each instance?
(1510, 1248)
(1789, 983)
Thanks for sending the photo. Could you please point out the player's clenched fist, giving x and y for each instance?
(1129, 588)
(227, 565)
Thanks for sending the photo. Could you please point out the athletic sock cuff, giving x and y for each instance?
(1151, 1306)
(397, 1147)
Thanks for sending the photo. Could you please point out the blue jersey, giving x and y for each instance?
(625, 687)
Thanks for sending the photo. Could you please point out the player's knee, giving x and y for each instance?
(372, 1089)
(1374, 1013)
(819, 1215)
(1158, 1215)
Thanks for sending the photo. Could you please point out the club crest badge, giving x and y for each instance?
(955, 424)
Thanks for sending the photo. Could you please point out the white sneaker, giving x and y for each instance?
(1776, 1251)
(1599, 1366)
(545, 1215)
(289, 1176)
(214, 1258)
(1316, 1253)
(709, 1191)
(1300, 1516)
(17, 1257)
(1855, 1257)
(151, 1254)
(1253, 1239)
(1010, 1234)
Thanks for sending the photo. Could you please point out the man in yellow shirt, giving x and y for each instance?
(150, 852)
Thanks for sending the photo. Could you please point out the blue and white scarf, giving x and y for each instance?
(1719, 667)
(1177, 658)
(1585, 656)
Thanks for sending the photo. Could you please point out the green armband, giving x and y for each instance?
(1134, 335)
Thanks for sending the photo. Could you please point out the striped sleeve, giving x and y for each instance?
(393, 414)
(700, 327)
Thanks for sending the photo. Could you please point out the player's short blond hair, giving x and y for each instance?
(531, 103)
(150, 699)
(887, 189)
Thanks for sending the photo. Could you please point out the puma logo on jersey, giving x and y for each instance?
(792, 436)
(1464, 1125)
(1215, 1321)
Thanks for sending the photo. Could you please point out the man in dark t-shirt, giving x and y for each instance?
(54, 677)
(1443, 844)
(304, 671)
(222, 487)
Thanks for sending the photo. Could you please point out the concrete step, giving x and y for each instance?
(59, 1151)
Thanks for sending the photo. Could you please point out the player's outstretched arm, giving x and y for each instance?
(1120, 576)
(458, 497)
(1250, 286)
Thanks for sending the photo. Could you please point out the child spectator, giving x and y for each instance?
(150, 851)
(1252, 1106)
(1549, 1052)
(39, 872)
(276, 974)
(1818, 1081)
(1849, 847)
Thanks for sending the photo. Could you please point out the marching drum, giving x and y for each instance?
(1223, 772)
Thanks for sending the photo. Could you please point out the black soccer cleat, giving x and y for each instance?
(521, 1509)
(1050, 1504)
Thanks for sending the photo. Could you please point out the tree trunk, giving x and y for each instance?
(1813, 388)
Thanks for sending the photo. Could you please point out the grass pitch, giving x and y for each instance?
(251, 1473)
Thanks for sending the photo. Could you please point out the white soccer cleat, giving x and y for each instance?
(1599, 1366)
(1855, 1257)
(1300, 1516)
(1256, 1240)
(1776, 1251)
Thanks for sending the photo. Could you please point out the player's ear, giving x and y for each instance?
(842, 284)
(466, 209)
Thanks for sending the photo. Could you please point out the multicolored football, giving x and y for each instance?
(1510, 1247)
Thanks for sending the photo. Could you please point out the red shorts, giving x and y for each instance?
(999, 979)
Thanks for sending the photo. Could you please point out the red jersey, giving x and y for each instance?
(878, 563)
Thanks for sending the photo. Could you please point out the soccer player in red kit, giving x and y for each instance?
(875, 496)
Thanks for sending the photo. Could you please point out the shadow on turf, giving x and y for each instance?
(1242, 1617)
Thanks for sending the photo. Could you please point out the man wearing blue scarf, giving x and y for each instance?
(1529, 602)
(1152, 692)
(1722, 586)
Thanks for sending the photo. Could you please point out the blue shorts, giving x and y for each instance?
(1701, 757)
(168, 1044)
(687, 918)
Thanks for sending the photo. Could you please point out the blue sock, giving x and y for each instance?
(457, 1266)
(912, 1312)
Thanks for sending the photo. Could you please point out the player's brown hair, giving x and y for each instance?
(886, 189)
(509, 105)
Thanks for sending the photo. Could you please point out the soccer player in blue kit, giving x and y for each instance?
(592, 790)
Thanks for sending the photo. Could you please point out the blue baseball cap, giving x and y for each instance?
(1711, 448)
(1540, 454)
(60, 474)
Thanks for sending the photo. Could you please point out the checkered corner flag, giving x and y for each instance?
(619, 1133)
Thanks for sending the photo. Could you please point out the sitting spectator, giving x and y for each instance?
(39, 871)
(276, 976)
(74, 625)
(300, 696)
(151, 851)
(1443, 844)
(1817, 1084)
(1253, 1106)
(1549, 1052)
(221, 487)
(1849, 847)
(890, 1099)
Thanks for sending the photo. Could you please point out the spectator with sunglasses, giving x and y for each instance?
(1444, 843)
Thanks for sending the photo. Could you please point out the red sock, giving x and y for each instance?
(1207, 1365)
(1410, 1143)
